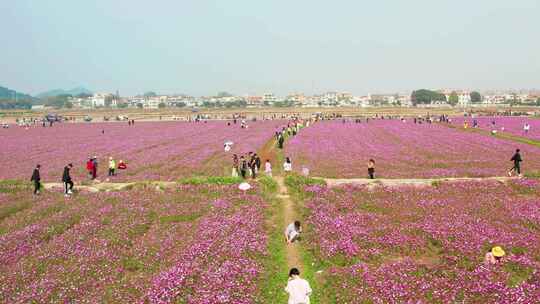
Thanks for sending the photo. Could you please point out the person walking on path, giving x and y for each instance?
(297, 288)
(94, 167)
(66, 179)
(36, 178)
(268, 168)
(371, 168)
(112, 166)
(281, 140)
(292, 232)
(90, 168)
(287, 166)
(517, 164)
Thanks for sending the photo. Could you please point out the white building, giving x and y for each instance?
(98, 100)
(269, 98)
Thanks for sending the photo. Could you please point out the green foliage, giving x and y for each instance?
(57, 102)
(426, 97)
(296, 184)
(8, 104)
(268, 184)
(518, 273)
(150, 94)
(275, 275)
(162, 105)
(10, 99)
(132, 264)
(518, 250)
(216, 180)
(59, 228)
(178, 218)
(12, 186)
(453, 99)
(476, 97)
(284, 104)
(8, 211)
(224, 94)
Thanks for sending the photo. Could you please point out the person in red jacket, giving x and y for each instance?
(90, 168)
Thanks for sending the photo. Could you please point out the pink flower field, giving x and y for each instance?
(152, 150)
(191, 244)
(426, 245)
(511, 125)
(403, 150)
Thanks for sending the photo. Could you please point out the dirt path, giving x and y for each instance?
(293, 254)
(105, 186)
(331, 182)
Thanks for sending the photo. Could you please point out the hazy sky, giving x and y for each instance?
(201, 47)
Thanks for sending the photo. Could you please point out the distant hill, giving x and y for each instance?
(72, 92)
(11, 99)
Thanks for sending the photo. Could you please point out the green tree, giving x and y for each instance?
(453, 99)
(122, 105)
(426, 97)
(83, 95)
(476, 97)
(57, 102)
(108, 100)
(180, 104)
(538, 101)
(150, 94)
(162, 105)
(139, 105)
(224, 94)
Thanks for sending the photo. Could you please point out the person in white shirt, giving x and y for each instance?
(287, 166)
(268, 168)
(292, 232)
(297, 288)
(526, 128)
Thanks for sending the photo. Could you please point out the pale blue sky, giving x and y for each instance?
(201, 47)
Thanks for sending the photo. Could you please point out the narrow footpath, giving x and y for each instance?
(290, 215)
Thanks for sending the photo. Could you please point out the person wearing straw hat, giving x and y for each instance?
(494, 256)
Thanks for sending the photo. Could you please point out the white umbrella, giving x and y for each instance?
(244, 186)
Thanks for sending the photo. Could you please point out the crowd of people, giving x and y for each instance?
(247, 165)
(91, 168)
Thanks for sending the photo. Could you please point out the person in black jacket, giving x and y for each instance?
(517, 163)
(243, 167)
(258, 162)
(36, 179)
(66, 179)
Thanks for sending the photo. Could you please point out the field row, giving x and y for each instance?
(424, 245)
(172, 150)
(191, 244)
(404, 150)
